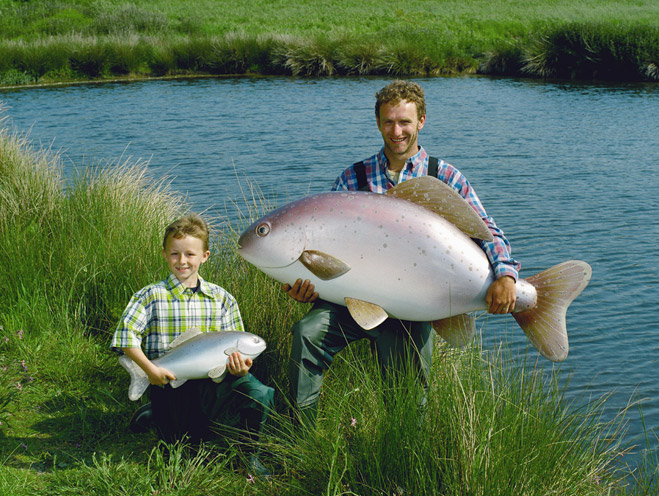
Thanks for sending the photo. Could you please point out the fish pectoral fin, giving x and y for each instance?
(218, 373)
(186, 336)
(457, 330)
(437, 196)
(322, 265)
(367, 315)
(230, 350)
(177, 383)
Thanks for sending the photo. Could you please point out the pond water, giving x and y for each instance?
(568, 170)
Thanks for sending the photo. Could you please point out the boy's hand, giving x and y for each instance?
(160, 376)
(237, 365)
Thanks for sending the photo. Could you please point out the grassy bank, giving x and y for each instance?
(76, 254)
(58, 40)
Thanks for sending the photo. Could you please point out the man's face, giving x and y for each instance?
(400, 126)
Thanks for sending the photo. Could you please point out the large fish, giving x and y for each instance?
(410, 255)
(195, 355)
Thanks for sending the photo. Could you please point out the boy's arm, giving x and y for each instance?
(158, 376)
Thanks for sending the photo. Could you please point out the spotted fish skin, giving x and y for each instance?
(397, 252)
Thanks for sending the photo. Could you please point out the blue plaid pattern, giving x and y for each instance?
(158, 313)
(498, 251)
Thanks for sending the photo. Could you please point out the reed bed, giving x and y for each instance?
(493, 424)
(43, 42)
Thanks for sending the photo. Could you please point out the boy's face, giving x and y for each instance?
(184, 256)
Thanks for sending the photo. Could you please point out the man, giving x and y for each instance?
(400, 114)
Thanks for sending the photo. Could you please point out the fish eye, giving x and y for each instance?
(262, 230)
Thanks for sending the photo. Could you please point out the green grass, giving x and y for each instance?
(76, 253)
(57, 40)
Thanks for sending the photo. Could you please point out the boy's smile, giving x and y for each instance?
(184, 256)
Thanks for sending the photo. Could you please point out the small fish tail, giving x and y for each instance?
(556, 288)
(138, 379)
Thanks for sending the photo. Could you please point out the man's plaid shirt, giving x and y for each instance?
(158, 313)
(379, 181)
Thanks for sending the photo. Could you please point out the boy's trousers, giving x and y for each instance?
(200, 407)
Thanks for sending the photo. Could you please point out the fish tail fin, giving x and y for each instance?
(556, 288)
(138, 379)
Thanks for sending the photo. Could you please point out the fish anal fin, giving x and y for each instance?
(177, 383)
(437, 196)
(322, 265)
(457, 330)
(556, 288)
(367, 315)
(217, 374)
(186, 336)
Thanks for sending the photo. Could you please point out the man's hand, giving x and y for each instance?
(501, 295)
(237, 365)
(301, 291)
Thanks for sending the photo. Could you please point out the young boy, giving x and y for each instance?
(160, 312)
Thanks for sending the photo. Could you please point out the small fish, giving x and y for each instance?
(195, 355)
(409, 254)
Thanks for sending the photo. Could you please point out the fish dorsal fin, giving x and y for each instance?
(186, 336)
(322, 265)
(218, 373)
(457, 330)
(439, 197)
(367, 315)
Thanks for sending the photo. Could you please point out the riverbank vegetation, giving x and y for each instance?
(68, 40)
(76, 250)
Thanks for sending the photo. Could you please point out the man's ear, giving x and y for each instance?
(422, 122)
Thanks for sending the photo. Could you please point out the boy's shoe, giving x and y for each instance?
(257, 469)
(142, 419)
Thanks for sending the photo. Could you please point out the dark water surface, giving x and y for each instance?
(568, 170)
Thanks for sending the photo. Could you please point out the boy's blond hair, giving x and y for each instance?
(190, 225)
(397, 91)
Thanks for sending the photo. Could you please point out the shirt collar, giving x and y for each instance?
(178, 288)
(413, 164)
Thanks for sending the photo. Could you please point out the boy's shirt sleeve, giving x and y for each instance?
(132, 324)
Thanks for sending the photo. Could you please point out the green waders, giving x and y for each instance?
(328, 328)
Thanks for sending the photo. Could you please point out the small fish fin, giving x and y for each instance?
(544, 324)
(437, 196)
(139, 381)
(218, 373)
(367, 315)
(457, 330)
(177, 382)
(230, 350)
(186, 336)
(322, 265)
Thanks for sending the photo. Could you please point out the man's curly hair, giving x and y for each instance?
(397, 91)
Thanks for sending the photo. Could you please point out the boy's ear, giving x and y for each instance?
(205, 257)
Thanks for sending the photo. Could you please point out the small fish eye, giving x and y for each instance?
(263, 229)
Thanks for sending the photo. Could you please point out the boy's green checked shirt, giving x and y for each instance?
(161, 311)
